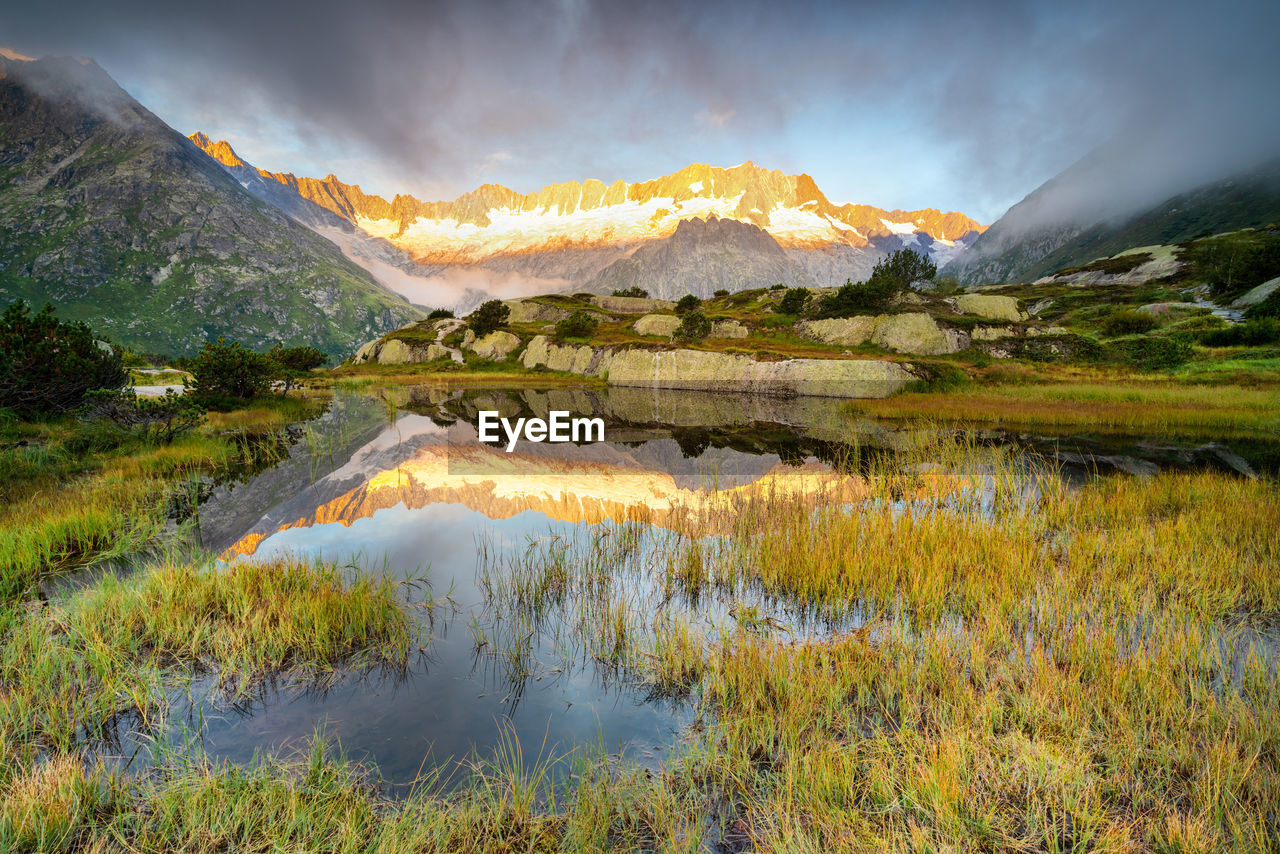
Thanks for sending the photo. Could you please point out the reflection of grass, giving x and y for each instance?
(1137, 405)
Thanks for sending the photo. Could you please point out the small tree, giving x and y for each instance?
(48, 365)
(793, 301)
(227, 370)
(694, 327)
(294, 363)
(439, 314)
(778, 287)
(687, 303)
(900, 268)
(580, 324)
(721, 292)
(155, 419)
(633, 291)
(490, 316)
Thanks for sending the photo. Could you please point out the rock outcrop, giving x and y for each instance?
(728, 329)
(496, 345)
(838, 331)
(990, 307)
(527, 311)
(697, 369)
(664, 325)
(915, 333)
(633, 305)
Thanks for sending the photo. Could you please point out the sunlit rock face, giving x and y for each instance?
(597, 236)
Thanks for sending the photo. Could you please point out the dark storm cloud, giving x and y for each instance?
(1001, 94)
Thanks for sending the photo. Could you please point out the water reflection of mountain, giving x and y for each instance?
(662, 446)
(587, 484)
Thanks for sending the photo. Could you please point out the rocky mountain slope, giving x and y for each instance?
(120, 221)
(1045, 232)
(575, 236)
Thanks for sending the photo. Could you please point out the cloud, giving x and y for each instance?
(996, 96)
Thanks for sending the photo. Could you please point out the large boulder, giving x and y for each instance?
(838, 331)
(728, 329)
(989, 306)
(395, 352)
(1258, 294)
(368, 352)
(916, 333)
(496, 345)
(633, 305)
(527, 311)
(664, 325)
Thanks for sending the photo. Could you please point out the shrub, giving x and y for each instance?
(155, 419)
(793, 301)
(1251, 333)
(1127, 322)
(633, 291)
(720, 292)
(901, 267)
(687, 303)
(944, 285)
(1151, 352)
(694, 327)
(48, 365)
(778, 287)
(293, 363)
(489, 317)
(226, 370)
(871, 295)
(580, 324)
(439, 314)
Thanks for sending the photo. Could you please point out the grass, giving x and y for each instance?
(76, 493)
(1091, 403)
(959, 660)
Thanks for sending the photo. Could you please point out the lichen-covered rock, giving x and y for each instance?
(394, 352)
(633, 305)
(1034, 331)
(838, 331)
(916, 333)
(435, 351)
(527, 311)
(728, 329)
(368, 352)
(698, 369)
(664, 325)
(468, 338)
(496, 345)
(992, 333)
(989, 306)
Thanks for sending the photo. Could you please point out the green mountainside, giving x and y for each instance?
(122, 222)
(1026, 244)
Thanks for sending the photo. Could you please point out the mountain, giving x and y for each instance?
(700, 257)
(590, 235)
(122, 222)
(1050, 230)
